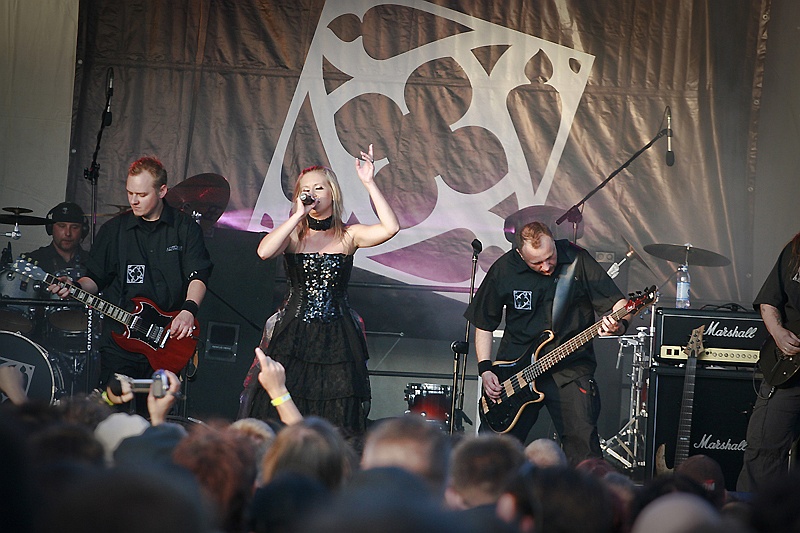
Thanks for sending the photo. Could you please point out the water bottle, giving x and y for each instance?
(684, 283)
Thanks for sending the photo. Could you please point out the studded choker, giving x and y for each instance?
(320, 225)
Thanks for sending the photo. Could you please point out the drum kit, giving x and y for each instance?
(48, 339)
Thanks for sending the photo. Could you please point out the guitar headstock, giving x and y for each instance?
(695, 346)
(26, 268)
(640, 299)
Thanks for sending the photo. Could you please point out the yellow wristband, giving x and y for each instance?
(106, 398)
(282, 399)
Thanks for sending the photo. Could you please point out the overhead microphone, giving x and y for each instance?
(109, 93)
(670, 153)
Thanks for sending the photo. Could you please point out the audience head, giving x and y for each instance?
(116, 428)
(545, 452)
(557, 499)
(411, 443)
(677, 512)
(130, 501)
(480, 469)
(708, 473)
(312, 447)
(662, 485)
(223, 463)
(283, 504)
(775, 508)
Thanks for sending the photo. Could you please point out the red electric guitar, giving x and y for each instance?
(146, 327)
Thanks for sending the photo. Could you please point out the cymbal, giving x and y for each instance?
(547, 214)
(18, 210)
(688, 254)
(204, 196)
(23, 220)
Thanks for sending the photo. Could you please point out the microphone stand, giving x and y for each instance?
(460, 352)
(574, 215)
(93, 172)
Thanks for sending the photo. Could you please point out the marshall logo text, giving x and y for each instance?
(716, 331)
(706, 443)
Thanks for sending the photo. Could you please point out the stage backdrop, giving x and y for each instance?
(476, 109)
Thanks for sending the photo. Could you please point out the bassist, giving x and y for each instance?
(522, 284)
(775, 422)
(152, 251)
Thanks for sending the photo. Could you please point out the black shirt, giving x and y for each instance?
(132, 257)
(48, 258)
(526, 297)
(781, 289)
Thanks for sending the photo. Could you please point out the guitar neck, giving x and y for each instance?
(687, 408)
(95, 302)
(547, 362)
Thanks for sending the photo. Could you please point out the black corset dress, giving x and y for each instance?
(320, 341)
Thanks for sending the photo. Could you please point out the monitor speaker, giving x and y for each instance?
(237, 303)
(722, 403)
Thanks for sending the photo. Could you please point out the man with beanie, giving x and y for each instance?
(68, 226)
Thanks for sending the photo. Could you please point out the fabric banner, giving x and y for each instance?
(477, 110)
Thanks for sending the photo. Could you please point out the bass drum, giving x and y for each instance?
(39, 379)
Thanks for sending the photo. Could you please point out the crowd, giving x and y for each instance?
(81, 466)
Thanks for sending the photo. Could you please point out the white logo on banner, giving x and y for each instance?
(488, 110)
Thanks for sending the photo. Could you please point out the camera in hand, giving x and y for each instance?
(159, 383)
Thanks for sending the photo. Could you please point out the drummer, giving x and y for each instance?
(68, 226)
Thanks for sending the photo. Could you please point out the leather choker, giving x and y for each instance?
(320, 225)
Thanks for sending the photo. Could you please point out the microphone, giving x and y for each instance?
(670, 153)
(307, 198)
(477, 247)
(109, 93)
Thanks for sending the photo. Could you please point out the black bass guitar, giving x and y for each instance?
(518, 378)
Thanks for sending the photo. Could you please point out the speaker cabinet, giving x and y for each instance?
(237, 303)
(723, 401)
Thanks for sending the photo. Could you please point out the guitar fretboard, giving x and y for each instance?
(549, 360)
(95, 302)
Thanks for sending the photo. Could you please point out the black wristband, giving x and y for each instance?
(624, 323)
(191, 306)
(483, 366)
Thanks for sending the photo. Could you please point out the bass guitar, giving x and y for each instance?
(518, 378)
(146, 327)
(777, 366)
(694, 350)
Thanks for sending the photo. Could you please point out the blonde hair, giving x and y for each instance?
(336, 197)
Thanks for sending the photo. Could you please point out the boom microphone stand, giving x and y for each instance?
(460, 351)
(574, 214)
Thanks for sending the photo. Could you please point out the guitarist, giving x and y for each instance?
(523, 284)
(775, 422)
(153, 251)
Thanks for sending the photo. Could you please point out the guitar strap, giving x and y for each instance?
(563, 285)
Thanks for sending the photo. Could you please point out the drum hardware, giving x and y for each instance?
(431, 401)
(628, 445)
(19, 218)
(203, 197)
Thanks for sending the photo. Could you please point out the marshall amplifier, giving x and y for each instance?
(722, 402)
(732, 338)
